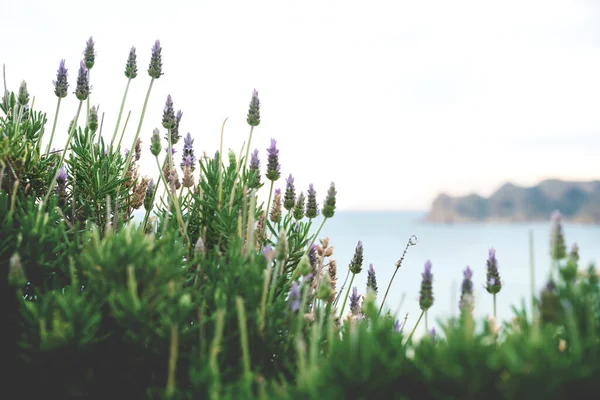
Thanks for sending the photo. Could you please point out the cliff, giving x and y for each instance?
(579, 202)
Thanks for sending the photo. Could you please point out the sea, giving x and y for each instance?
(450, 248)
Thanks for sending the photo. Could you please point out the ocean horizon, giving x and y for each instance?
(450, 248)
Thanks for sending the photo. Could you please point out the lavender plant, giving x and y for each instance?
(212, 296)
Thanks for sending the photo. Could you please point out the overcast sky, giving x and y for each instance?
(393, 101)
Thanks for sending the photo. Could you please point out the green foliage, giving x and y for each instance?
(210, 295)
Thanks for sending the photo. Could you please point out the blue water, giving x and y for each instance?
(450, 248)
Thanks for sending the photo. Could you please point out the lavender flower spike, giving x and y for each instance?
(89, 54)
(254, 111)
(294, 297)
(354, 301)
(329, 207)
(398, 325)
(82, 91)
(131, 66)
(494, 285)
(311, 202)
(273, 166)
(371, 279)
(426, 293)
(61, 85)
(289, 199)
(155, 69)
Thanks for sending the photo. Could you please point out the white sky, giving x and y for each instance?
(394, 101)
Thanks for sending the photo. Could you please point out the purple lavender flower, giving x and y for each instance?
(354, 301)
(273, 166)
(61, 86)
(432, 332)
(371, 279)
(558, 249)
(188, 151)
(574, 254)
(329, 207)
(23, 97)
(398, 325)
(357, 261)
(61, 178)
(426, 293)
(89, 54)
(289, 199)
(82, 91)
(294, 297)
(311, 203)
(173, 151)
(493, 276)
(155, 143)
(149, 195)
(168, 120)
(254, 111)
(131, 66)
(255, 169)
(466, 290)
(155, 69)
(175, 136)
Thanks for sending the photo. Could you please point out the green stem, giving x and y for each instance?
(173, 355)
(268, 208)
(415, 328)
(494, 305)
(123, 132)
(387, 290)
(316, 236)
(87, 117)
(160, 179)
(347, 294)
(248, 148)
(120, 114)
(220, 166)
(53, 126)
(139, 128)
(532, 276)
(426, 322)
(64, 152)
(398, 265)
(244, 343)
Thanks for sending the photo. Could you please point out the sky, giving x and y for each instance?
(394, 101)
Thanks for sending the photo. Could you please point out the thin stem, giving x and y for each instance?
(248, 148)
(337, 299)
(532, 276)
(244, 342)
(347, 294)
(220, 166)
(120, 113)
(426, 322)
(87, 117)
(173, 355)
(64, 152)
(398, 265)
(415, 328)
(53, 126)
(316, 235)
(494, 305)
(268, 207)
(139, 128)
(160, 178)
(123, 131)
